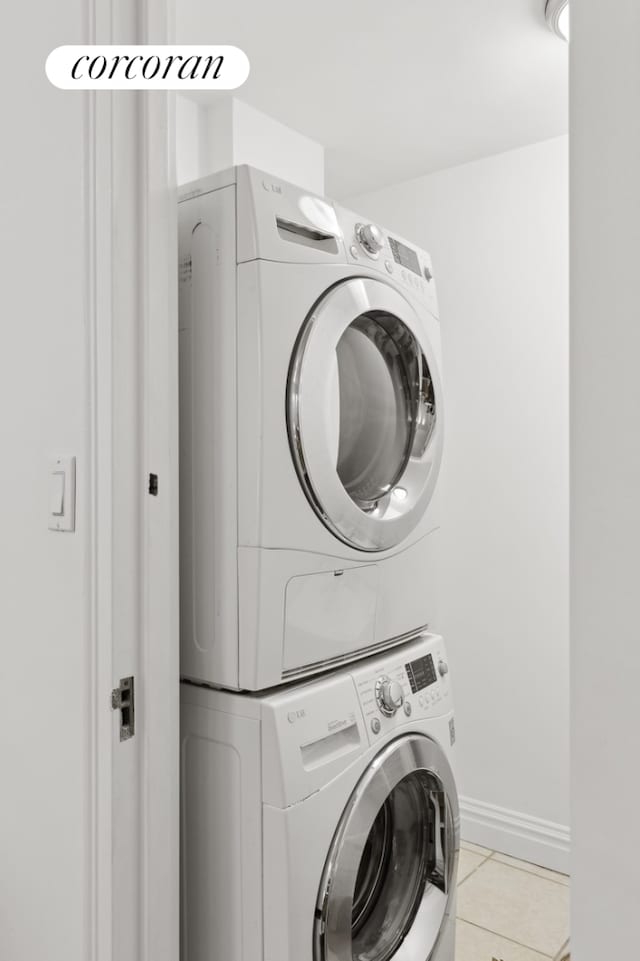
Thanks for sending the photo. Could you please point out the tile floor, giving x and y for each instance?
(509, 910)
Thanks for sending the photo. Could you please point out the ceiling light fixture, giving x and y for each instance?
(557, 14)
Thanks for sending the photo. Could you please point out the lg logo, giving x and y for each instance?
(294, 716)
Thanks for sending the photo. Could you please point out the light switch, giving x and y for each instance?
(62, 494)
(56, 493)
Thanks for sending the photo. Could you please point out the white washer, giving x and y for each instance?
(311, 432)
(320, 822)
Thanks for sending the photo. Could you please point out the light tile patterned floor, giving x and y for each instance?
(509, 910)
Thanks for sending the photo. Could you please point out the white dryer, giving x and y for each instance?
(320, 822)
(311, 432)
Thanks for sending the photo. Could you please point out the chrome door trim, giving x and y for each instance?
(311, 420)
(408, 754)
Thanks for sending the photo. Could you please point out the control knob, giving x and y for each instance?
(443, 668)
(370, 237)
(389, 695)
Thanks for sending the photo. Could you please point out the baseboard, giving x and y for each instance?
(515, 834)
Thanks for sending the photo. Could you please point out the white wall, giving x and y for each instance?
(497, 230)
(190, 160)
(44, 736)
(229, 132)
(605, 489)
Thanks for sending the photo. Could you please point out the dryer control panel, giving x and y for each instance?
(368, 245)
(409, 682)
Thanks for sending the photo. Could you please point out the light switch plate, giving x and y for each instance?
(62, 494)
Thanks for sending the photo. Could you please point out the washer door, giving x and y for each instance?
(363, 410)
(389, 879)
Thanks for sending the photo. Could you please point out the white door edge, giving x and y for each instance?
(132, 621)
(160, 661)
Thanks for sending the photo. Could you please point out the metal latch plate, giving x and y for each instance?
(123, 700)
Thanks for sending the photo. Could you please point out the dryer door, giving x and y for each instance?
(389, 880)
(364, 413)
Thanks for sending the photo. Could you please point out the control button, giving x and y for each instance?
(389, 695)
(443, 668)
(407, 708)
(371, 238)
(427, 274)
(353, 250)
(389, 266)
(375, 725)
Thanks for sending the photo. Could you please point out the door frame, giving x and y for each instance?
(132, 562)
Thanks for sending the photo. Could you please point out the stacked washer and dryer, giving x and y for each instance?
(319, 808)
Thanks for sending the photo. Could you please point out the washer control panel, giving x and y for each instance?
(411, 682)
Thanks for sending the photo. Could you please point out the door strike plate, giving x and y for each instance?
(122, 699)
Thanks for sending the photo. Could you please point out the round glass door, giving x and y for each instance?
(364, 412)
(378, 375)
(386, 890)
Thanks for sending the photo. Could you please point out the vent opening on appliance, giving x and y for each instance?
(306, 236)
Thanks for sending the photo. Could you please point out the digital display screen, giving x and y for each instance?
(404, 256)
(421, 673)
